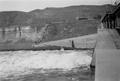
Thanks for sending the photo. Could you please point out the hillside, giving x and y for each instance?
(8, 18)
(63, 22)
(69, 12)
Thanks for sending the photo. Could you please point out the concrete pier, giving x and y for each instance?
(107, 57)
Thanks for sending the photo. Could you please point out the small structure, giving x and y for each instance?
(112, 20)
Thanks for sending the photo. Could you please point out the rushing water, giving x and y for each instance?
(26, 62)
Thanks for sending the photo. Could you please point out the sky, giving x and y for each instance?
(28, 5)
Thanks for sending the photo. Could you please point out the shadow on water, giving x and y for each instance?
(87, 75)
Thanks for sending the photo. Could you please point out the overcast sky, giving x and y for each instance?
(27, 5)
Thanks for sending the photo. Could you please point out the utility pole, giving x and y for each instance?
(3, 33)
(20, 33)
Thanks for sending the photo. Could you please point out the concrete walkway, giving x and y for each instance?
(107, 58)
(104, 40)
(107, 65)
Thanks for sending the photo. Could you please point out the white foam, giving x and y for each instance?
(22, 61)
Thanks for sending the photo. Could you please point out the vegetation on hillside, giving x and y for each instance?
(63, 22)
